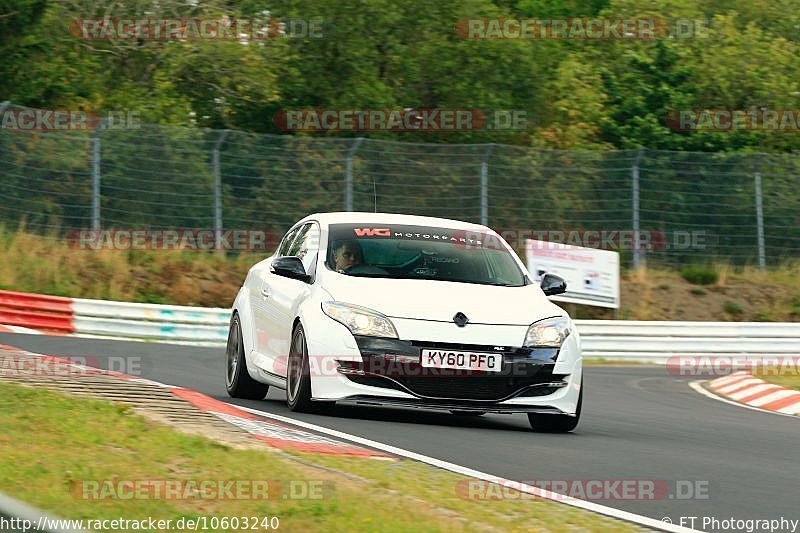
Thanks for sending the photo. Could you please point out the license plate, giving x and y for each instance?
(491, 362)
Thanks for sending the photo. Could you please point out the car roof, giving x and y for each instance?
(357, 217)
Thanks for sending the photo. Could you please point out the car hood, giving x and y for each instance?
(441, 300)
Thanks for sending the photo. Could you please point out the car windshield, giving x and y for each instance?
(420, 252)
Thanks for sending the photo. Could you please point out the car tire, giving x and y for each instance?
(468, 413)
(544, 423)
(237, 379)
(298, 376)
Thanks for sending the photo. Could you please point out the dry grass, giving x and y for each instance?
(48, 265)
(787, 376)
(744, 294)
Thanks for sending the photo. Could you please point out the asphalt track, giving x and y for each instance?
(638, 423)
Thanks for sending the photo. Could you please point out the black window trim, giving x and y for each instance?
(297, 228)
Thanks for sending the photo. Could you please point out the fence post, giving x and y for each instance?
(348, 174)
(217, 191)
(487, 153)
(762, 260)
(638, 255)
(96, 175)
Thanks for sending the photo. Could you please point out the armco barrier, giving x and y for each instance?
(151, 321)
(610, 339)
(631, 339)
(36, 311)
(115, 319)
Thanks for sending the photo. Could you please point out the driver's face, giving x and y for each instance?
(346, 256)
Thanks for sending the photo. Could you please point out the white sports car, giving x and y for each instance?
(402, 310)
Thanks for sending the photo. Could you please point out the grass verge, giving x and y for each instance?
(778, 376)
(52, 445)
(49, 265)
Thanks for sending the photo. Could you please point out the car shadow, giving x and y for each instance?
(392, 414)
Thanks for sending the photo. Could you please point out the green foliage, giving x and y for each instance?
(699, 275)
(406, 53)
(764, 315)
(395, 54)
(732, 308)
(795, 309)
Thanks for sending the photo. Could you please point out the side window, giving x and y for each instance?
(287, 240)
(298, 241)
(306, 247)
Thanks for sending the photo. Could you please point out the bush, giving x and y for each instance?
(732, 308)
(764, 315)
(699, 275)
(795, 306)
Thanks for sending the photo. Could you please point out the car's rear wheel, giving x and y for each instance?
(237, 380)
(298, 376)
(545, 423)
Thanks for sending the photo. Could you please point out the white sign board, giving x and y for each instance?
(592, 275)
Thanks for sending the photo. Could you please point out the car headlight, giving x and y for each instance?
(360, 320)
(548, 333)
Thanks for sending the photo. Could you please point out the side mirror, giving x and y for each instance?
(290, 267)
(552, 284)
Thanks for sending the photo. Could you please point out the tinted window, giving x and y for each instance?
(306, 246)
(417, 252)
(287, 240)
(298, 241)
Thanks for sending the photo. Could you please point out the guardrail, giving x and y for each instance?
(630, 339)
(36, 311)
(151, 321)
(115, 319)
(609, 339)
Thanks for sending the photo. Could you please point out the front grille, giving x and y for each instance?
(469, 387)
(374, 381)
(539, 391)
(463, 388)
(521, 368)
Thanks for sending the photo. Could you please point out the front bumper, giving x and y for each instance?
(498, 408)
(395, 364)
(375, 371)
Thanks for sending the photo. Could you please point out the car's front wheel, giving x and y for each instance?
(237, 380)
(545, 423)
(298, 376)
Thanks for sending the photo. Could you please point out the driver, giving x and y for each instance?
(346, 254)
